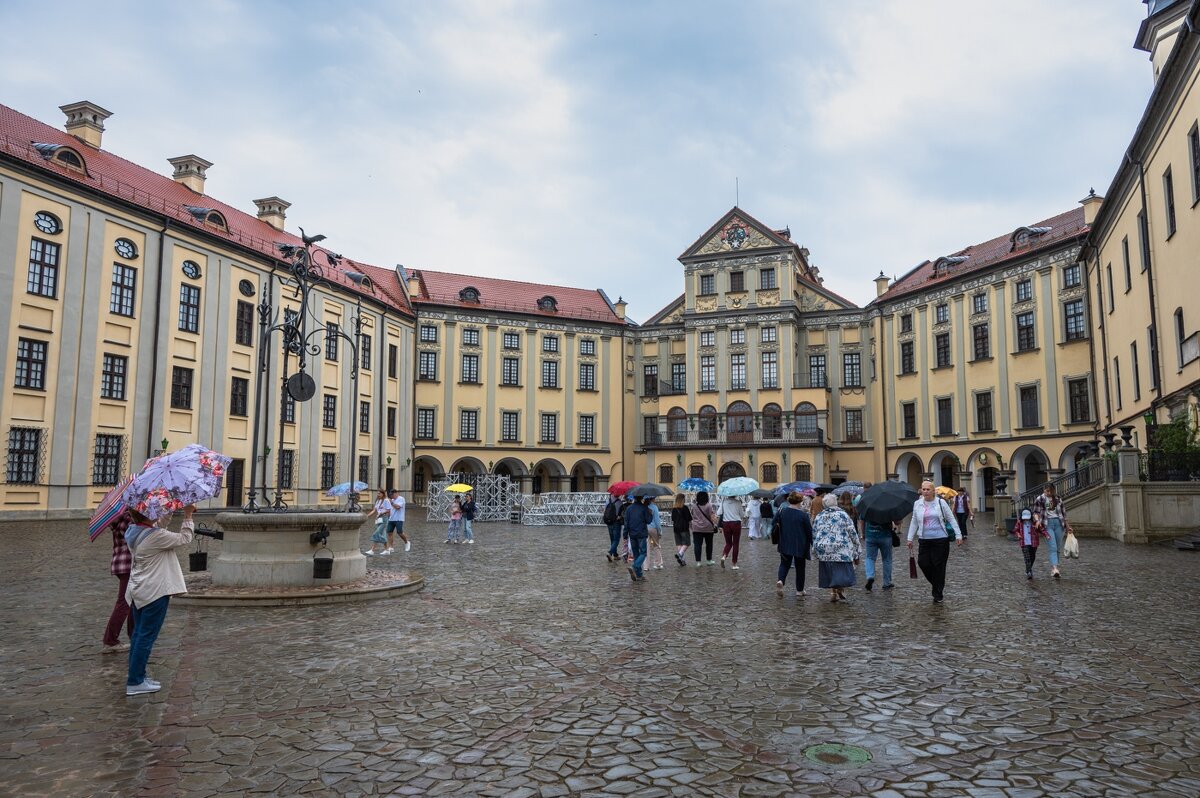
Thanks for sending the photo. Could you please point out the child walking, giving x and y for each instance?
(681, 521)
(655, 534)
(1027, 531)
(454, 534)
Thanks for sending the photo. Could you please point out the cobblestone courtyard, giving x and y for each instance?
(530, 666)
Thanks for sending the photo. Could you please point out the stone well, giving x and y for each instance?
(273, 549)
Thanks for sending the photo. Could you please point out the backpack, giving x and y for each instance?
(767, 510)
(611, 513)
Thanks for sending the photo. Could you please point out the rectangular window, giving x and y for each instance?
(587, 429)
(1117, 380)
(181, 388)
(737, 281)
(429, 334)
(942, 313)
(737, 372)
(329, 411)
(854, 425)
(426, 422)
(942, 344)
(1026, 337)
(945, 416)
(42, 278)
(908, 363)
(1144, 239)
(549, 428)
(31, 364)
(982, 341)
(587, 347)
(768, 335)
(511, 340)
(289, 408)
(549, 343)
(364, 468)
(331, 341)
(328, 469)
(1079, 401)
(470, 336)
(470, 369)
(189, 308)
(908, 412)
(393, 359)
(1135, 370)
(468, 425)
(766, 279)
(1169, 199)
(770, 369)
(708, 338)
(708, 373)
(708, 284)
(852, 370)
(124, 285)
(679, 377)
(906, 323)
(1128, 273)
(1152, 354)
(549, 373)
(510, 371)
(817, 377)
(106, 464)
(427, 366)
(112, 377)
(239, 396)
(1073, 315)
(364, 416)
(650, 379)
(391, 422)
(1024, 290)
(287, 468)
(510, 426)
(1072, 276)
(243, 325)
(737, 336)
(983, 413)
(1194, 156)
(979, 303)
(1029, 406)
(24, 450)
(587, 376)
(1108, 279)
(364, 351)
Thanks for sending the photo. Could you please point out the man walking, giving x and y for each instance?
(468, 512)
(637, 529)
(396, 521)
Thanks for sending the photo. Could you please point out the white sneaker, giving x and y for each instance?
(369, 553)
(115, 649)
(407, 545)
(152, 682)
(142, 689)
(386, 552)
(779, 587)
(471, 541)
(734, 568)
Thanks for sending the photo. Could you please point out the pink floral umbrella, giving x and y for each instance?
(175, 480)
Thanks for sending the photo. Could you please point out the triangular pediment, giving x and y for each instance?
(737, 231)
(671, 314)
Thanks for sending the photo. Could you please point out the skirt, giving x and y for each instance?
(378, 536)
(835, 574)
(683, 537)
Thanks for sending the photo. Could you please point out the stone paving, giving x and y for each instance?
(529, 666)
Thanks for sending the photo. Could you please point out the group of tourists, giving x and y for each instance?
(826, 528)
(388, 511)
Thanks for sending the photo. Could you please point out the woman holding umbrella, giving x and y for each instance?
(935, 524)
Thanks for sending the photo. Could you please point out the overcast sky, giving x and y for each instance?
(589, 144)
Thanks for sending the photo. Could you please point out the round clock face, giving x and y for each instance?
(191, 269)
(246, 288)
(47, 222)
(125, 248)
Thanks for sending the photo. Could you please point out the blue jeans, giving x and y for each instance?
(614, 538)
(637, 547)
(1057, 536)
(468, 533)
(884, 547)
(147, 622)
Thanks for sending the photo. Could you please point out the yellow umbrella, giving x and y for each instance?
(460, 487)
(945, 493)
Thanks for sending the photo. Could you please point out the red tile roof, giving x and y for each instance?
(999, 250)
(514, 296)
(116, 177)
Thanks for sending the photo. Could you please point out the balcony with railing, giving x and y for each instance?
(730, 430)
(664, 388)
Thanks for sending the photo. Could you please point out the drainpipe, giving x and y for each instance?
(150, 433)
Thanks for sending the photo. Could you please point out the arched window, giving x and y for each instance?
(677, 424)
(696, 470)
(803, 472)
(666, 474)
(548, 304)
(772, 421)
(216, 220)
(806, 420)
(739, 422)
(708, 423)
(469, 294)
(770, 473)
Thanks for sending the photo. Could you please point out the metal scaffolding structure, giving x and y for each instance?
(495, 496)
(566, 509)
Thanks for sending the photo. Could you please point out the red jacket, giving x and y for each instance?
(1039, 531)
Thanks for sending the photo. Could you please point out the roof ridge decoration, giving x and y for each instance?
(736, 231)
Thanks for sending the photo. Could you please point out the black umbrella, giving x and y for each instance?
(761, 493)
(825, 487)
(649, 489)
(885, 502)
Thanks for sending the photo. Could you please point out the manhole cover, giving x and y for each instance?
(838, 755)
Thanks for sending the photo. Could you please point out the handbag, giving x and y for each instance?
(895, 540)
(912, 567)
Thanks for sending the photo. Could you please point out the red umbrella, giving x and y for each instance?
(621, 488)
(110, 507)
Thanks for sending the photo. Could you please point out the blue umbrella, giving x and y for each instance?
(783, 490)
(344, 488)
(846, 487)
(738, 486)
(695, 485)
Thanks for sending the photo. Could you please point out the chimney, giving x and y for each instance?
(620, 306)
(272, 210)
(85, 121)
(1091, 206)
(414, 283)
(881, 284)
(189, 170)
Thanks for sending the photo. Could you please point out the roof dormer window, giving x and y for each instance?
(548, 304)
(469, 294)
(61, 154)
(943, 266)
(209, 216)
(1024, 236)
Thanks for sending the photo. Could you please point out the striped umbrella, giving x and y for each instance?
(109, 508)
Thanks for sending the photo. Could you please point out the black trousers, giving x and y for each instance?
(962, 522)
(932, 559)
(785, 564)
(703, 539)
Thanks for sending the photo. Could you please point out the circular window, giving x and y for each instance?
(125, 248)
(191, 269)
(47, 222)
(246, 288)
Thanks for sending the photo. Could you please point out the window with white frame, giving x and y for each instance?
(470, 369)
(587, 376)
(468, 425)
(549, 428)
(549, 343)
(427, 366)
(429, 333)
(766, 279)
(708, 373)
(549, 373)
(426, 423)
(510, 426)
(587, 347)
(470, 336)
(737, 335)
(510, 371)
(511, 340)
(708, 338)
(737, 372)
(768, 335)
(770, 370)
